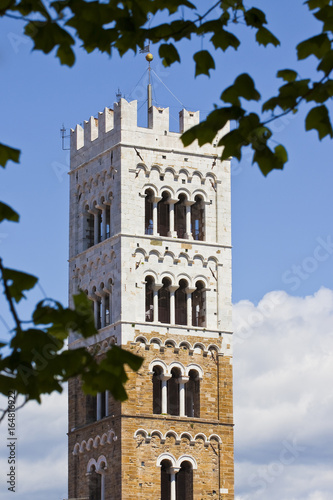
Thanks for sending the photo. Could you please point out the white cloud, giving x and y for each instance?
(283, 371)
(41, 451)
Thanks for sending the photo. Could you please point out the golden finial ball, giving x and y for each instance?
(149, 57)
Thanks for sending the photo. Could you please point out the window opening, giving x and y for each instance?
(108, 220)
(181, 303)
(180, 216)
(149, 211)
(173, 392)
(199, 305)
(100, 226)
(197, 219)
(89, 236)
(149, 312)
(165, 480)
(184, 482)
(164, 302)
(95, 485)
(163, 215)
(157, 390)
(192, 395)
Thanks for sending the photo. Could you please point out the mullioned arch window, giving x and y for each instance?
(180, 217)
(189, 304)
(97, 223)
(175, 393)
(176, 481)
(96, 478)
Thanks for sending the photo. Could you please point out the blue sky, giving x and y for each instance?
(281, 224)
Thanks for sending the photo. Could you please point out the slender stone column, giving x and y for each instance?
(172, 289)
(155, 201)
(189, 291)
(96, 228)
(173, 471)
(164, 378)
(188, 234)
(172, 233)
(103, 223)
(182, 381)
(99, 406)
(156, 288)
(103, 486)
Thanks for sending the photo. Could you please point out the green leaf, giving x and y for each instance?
(315, 4)
(206, 131)
(265, 37)
(326, 64)
(317, 45)
(244, 87)
(223, 39)
(326, 16)
(255, 17)
(168, 53)
(288, 75)
(7, 213)
(204, 62)
(318, 119)
(18, 282)
(7, 153)
(47, 35)
(321, 92)
(268, 160)
(66, 55)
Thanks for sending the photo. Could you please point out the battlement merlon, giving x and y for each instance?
(120, 125)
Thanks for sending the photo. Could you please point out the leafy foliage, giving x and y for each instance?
(124, 26)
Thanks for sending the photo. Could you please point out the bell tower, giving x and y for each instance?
(150, 243)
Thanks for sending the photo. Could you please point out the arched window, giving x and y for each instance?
(199, 305)
(163, 215)
(107, 302)
(157, 390)
(173, 392)
(198, 219)
(89, 228)
(107, 221)
(184, 482)
(165, 480)
(192, 395)
(164, 302)
(149, 211)
(149, 311)
(181, 303)
(95, 484)
(180, 216)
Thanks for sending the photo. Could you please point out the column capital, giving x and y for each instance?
(164, 376)
(173, 288)
(173, 470)
(182, 380)
(156, 199)
(172, 201)
(190, 289)
(157, 286)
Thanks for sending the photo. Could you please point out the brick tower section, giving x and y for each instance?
(150, 243)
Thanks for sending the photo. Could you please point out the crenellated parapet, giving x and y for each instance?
(119, 125)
